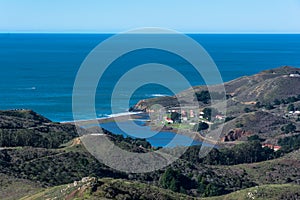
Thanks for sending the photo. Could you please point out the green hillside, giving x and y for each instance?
(264, 192)
(92, 188)
(118, 189)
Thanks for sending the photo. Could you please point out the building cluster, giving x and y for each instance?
(188, 115)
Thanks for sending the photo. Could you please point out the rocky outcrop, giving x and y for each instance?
(145, 105)
(235, 134)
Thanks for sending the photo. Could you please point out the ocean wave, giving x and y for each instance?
(29, 88)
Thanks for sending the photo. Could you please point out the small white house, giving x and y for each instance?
(192, 115)
(184, 118)
(220, 117)
(295, 75)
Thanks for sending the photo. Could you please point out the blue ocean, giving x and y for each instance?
(38, 70)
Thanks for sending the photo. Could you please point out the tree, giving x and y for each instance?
(283, 101)
(247, 110)
(213, 157)
(269, 106)
(173, 185)
(203, 96)
(290, 128)
(276, 102)
(175, 116)
(209, 112)
(201, 185)
(201, 126)
(291, 107)
(175, 181)
(290, 143)
(258, 105)
(169, 180)
(255, 138)
(227, 119)
(291, 99)
(211, 190)
(239, 125)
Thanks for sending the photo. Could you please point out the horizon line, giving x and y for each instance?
(200, 33)
(112, 32)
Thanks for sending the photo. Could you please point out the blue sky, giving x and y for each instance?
(275, 16)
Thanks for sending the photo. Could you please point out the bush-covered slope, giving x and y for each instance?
(264, 192)
(27, 128)
(92, 188)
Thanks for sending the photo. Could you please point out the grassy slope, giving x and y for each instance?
(265, 192)
(106, 188)
(122, 189)
(14, 188)
(282, 170)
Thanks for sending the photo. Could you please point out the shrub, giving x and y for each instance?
(201, 126)
(290, 128)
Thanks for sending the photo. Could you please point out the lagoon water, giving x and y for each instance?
(38, 70)
(157, 139)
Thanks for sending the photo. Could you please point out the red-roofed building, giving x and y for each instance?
(168, 120)
(271, 146)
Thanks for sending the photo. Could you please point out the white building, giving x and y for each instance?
(295, 75)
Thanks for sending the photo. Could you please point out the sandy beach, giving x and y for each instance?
(110, 118)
